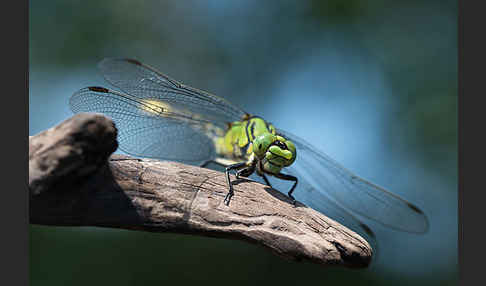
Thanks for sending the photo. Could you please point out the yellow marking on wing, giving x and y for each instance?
(219, 145)
(225, 162)
(155, 106)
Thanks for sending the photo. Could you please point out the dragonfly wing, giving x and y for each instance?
(145, 82)
(352, 192)
(147, 129)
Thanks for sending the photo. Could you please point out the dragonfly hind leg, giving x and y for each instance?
(267, 181)
(206, 163)
(246, 172)
(289, 178)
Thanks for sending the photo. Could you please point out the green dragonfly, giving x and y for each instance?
(159, 117)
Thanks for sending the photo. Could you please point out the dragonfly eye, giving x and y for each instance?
(261, 144)
(280, 144)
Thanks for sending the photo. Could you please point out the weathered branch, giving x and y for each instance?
(73, 183)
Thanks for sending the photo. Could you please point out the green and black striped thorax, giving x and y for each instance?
(253, 136)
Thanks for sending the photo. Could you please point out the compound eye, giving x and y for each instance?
(280, 144)
(261, 144)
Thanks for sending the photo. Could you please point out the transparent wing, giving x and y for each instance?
(144, 82)
(150, 128)
(157, 116)
(328, 178)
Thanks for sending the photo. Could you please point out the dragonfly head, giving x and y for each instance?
(275, 149)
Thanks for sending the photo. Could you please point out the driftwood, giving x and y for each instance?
(73, 181)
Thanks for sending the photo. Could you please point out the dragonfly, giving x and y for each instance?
(159, 117)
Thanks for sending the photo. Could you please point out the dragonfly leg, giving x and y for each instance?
(289, 178)
(267, 181)
(246, 172)
(204, 164)
(236, 166)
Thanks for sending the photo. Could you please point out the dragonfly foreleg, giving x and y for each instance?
(236, 166)
(289, 178)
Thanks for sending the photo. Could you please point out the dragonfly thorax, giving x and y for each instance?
(253, 138)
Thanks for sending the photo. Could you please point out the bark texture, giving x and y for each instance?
(73, 181)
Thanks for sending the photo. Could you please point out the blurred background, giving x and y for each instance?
(371, 83)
